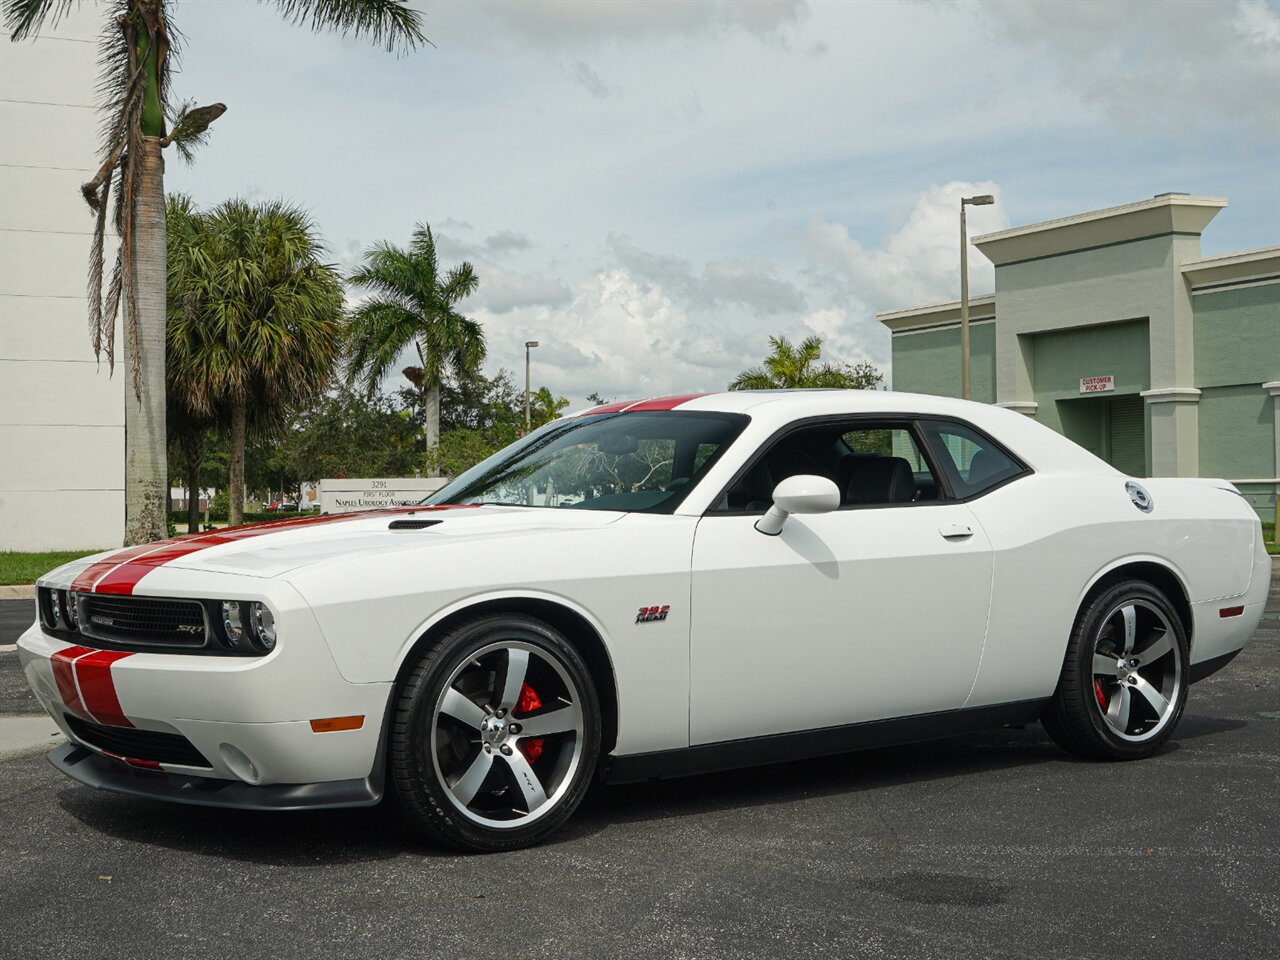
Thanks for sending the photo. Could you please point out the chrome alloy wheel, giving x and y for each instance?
(507, 734)
(1137, 671)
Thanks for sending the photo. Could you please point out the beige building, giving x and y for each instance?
(61, 413)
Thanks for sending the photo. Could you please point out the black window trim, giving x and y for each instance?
(1023, 469)
(911, 422)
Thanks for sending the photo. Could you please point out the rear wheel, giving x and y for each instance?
(1124, 679)
(496, 734)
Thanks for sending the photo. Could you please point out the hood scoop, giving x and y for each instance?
(412, 524)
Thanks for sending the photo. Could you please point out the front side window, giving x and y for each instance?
(872, 464)
(646, 461)
(974, 463)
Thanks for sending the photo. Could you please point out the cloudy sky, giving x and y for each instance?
(652, 187)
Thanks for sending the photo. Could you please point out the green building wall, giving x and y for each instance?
(1237, 344)
(929, 362)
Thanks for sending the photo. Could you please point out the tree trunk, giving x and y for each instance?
(235, 510)
(193, 496)
(433, 422)
(146, 480)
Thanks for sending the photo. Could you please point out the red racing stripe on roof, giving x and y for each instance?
(663, 403)
(98, 689)
(617, 407)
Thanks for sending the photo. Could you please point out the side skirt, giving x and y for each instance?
(806, 744)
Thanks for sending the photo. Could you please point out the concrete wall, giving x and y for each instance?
(929, 362)
(61, 414)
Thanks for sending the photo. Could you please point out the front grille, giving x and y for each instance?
(135, 744)
(130, 620)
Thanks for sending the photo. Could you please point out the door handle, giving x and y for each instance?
(956, 531)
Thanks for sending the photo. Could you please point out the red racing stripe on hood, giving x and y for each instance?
(98, 689)
(125, 569)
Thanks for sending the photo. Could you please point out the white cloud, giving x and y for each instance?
(620, 335)
(565, 23)
(590, 81)
(502, 291)
(752, 282)
(916, 264)
(492, 247)
(1145, 63)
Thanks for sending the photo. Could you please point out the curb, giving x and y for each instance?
(27, 736)
(21, 591)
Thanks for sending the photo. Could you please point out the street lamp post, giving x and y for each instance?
(528, 418)
(980, 201)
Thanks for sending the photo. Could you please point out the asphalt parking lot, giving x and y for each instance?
(984, 846)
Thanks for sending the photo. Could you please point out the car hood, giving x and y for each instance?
(277, 547)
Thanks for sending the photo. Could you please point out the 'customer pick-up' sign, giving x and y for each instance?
(1097, 384)
(348, 495)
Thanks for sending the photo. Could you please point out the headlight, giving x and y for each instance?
(55, 611)
(73, 613)
(231, 620)
(264, 625)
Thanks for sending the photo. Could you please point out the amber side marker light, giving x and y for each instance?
(1231, 612)
(330, 724)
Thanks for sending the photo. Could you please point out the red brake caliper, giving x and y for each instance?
(527, 703)
(1098, 692)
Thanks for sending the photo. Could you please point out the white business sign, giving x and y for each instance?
(349, 495)
(1097, 384)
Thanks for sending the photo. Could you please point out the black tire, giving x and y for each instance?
(1089, 709)
(429, 748)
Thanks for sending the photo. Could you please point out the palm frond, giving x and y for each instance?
(24, 18)
(189, 127)
(753, 379)
(392, 24)
(379, 331)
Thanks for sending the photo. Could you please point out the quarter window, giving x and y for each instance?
(972, 462)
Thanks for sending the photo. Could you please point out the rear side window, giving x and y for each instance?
(972, 461)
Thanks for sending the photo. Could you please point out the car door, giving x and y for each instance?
(872, 611)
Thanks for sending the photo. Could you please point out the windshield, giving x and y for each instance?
(636, 462)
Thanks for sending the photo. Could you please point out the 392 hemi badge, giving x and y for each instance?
(652, 614)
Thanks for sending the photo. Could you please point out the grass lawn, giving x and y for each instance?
(27, 567)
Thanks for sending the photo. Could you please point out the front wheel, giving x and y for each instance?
(496, 734)
(1124, 680)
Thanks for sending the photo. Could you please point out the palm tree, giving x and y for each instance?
(137, 54)
(790, 367)
(255, 319)
(414, 305)
(545, 406)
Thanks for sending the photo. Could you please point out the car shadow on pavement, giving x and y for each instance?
(333, 837)
(848, 773)
(851, 773)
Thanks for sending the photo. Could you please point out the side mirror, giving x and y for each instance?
(802, 494)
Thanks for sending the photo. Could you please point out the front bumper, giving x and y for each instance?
(246, 722)
(102, 773)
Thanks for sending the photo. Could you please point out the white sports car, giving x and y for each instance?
(650, 589)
